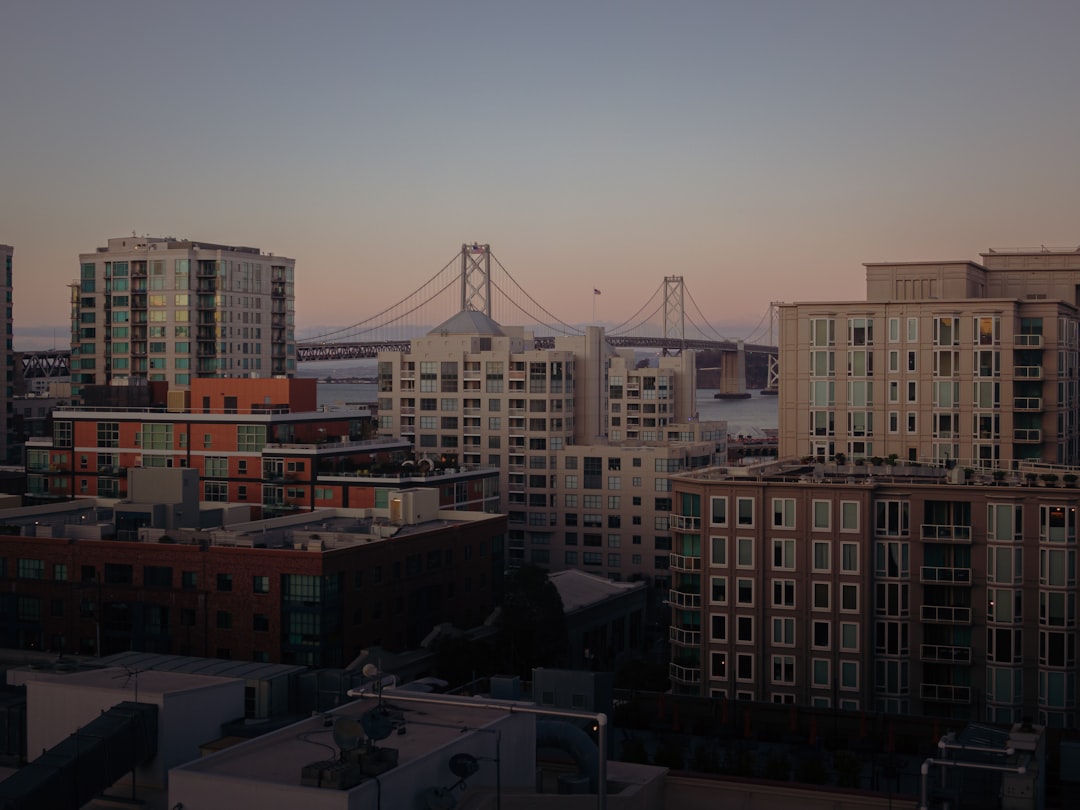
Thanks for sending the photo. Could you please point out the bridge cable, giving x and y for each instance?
(615, 329)
(537, 304)
(333, 332)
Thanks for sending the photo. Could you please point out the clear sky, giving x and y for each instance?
(761, 149)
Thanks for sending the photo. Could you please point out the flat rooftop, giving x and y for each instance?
(278, 757)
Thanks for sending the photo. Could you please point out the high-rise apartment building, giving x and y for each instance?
(919, 556)
(167, 310)
(943, 362)
(7, 354)
(586, 441)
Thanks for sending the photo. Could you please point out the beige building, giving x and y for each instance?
(921, 556)
(943, 362)
(166, 310)
(586, 442)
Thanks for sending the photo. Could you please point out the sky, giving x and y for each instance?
(762, 150)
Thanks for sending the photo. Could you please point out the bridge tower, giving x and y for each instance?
(476, 278)
(772, 384)
(674, 313)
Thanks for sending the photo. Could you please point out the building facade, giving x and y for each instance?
(314, 589)
(259, 442)
(900, 590)
(585, 441)
(9, 449)
(975, 364)
(168, 310)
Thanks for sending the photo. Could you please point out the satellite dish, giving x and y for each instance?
(463, 765)
(348, 733)
(377, 724)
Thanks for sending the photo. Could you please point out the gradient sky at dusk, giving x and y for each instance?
(762, 150)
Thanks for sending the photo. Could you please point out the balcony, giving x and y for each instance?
(686, 675)
(1028, 341)
(684, 599)
(942, 575)
(1027, 404)
(945, 614)
(1028, 435)
(684, 637)
(945, 654)
(945, 693)
(684, 523)
(946, 531)
(680, 562)
(1027, 372)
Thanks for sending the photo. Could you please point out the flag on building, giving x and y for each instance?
(595, 291)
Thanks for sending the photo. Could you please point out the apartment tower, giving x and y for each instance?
(169, 310)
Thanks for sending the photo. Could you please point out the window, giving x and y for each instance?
(821, 632)
(849, 636)
(745, 591)
(719, 665)
(719, 551)
(783, 669)
(892, 518)
(718, 590)
(260, 584)
(745, 558)
(250, 438)
(784, 513)
(784, 593)
(744, 667)
(822, 515)
(260, 623)
(849, 558)
(849, 598)
(718, 508)
(118, 574)
(224, 620)
(784, 555)
(718, 627)
(224, 582)
(822, 596)
(745, 508)
(31, 569)
(783, 632)
(822, 555)
(849, 516)
(216, 467)
(849, 675)
(822, 668)
(744, 629)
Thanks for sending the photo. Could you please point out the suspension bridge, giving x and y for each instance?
(670, 320)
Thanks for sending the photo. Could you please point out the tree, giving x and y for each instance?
(532, 630)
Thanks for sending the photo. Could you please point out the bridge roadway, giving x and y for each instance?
(311, 352)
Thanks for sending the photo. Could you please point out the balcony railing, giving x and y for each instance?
(946, 693)
(687, 675)
(1028, 372)
(945, 614)
(1027, 403)
(684, 599)
(686, 638)
(945, 653)
(1027, 435)
(685, 523)
(936, 574)
(682, 562)
(1028, 341)
(946, 531)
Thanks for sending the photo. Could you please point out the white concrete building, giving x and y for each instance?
(585, 440)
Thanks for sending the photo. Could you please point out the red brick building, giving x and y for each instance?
(313, 589)
(261, 442)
